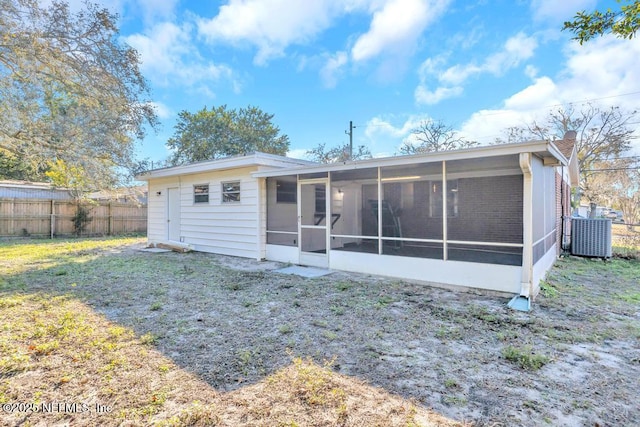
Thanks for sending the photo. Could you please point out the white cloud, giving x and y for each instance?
(382, 132)
(553, 11)
(603, 71)
(458, 74)
(298, 153)
(449, 83)
(542, 92)
(397, 25)
(270, 25)
(169, 57)
(162, 110)
(485, 126)
(531, 71)
(153, 10)
(333, 68)
(427, 97)
(516, 49)
(604, 67)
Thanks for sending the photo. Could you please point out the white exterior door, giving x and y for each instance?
(313, 211)
(173, 214)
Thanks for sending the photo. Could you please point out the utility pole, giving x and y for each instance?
(350, 133)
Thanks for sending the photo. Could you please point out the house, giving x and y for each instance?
(14, 189)
(489, 218)
(32, 190)
(137, 194)
(584, 211)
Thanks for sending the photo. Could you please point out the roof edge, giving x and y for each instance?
(255, 159)
(540, 147)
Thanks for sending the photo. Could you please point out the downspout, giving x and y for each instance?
(522, 302)
(562, 211)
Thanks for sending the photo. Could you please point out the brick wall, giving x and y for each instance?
(489, 209)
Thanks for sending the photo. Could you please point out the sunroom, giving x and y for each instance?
(463, 218)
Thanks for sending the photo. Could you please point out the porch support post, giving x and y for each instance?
(380, 193)
(328, 200)
(527, 225)
(261, 220)
(445, 249)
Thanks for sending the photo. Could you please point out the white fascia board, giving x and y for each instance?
(257, 159)
(540, 148)
(574, 169)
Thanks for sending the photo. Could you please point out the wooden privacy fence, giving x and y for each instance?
(50, 218)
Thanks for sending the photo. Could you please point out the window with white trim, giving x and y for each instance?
(201, 193)
(231, 192)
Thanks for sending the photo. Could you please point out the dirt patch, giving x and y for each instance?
(233, 322)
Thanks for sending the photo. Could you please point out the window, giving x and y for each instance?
(230, 192)
(201, 193)
(286, 191)
(435, 199)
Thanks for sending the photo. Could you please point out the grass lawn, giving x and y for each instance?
(95, 332)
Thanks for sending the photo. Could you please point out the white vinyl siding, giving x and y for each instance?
(224, 228)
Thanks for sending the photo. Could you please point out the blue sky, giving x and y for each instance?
(480, 66)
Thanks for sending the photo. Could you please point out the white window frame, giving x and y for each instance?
(227, 193)
(208, 194)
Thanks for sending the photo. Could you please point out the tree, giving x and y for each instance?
(340, 153)
(512, 135)
(618, 182)
(623, 23)
(219, 132)
(13, 167)
(603, 136)
(72, 178)
(434, 136)
(70, 90)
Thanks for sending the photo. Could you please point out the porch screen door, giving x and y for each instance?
(312, 219)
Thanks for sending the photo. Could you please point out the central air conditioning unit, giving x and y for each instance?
(591, 237)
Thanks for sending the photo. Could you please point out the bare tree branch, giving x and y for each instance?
(435, 136)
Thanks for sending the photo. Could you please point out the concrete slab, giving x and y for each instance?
(309, 272)
(154, 250)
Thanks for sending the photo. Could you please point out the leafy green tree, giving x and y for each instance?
(72, 178)
(321, 154)
(70, 90)
(623, 23)
(13, 167)
(219, 132)
(434, 136)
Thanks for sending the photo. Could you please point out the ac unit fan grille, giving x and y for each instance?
(591, 237)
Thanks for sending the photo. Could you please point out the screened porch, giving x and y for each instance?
(460, 210)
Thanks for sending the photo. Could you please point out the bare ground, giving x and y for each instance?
(230, 322)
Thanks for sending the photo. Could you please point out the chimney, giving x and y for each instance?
(570, 135)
